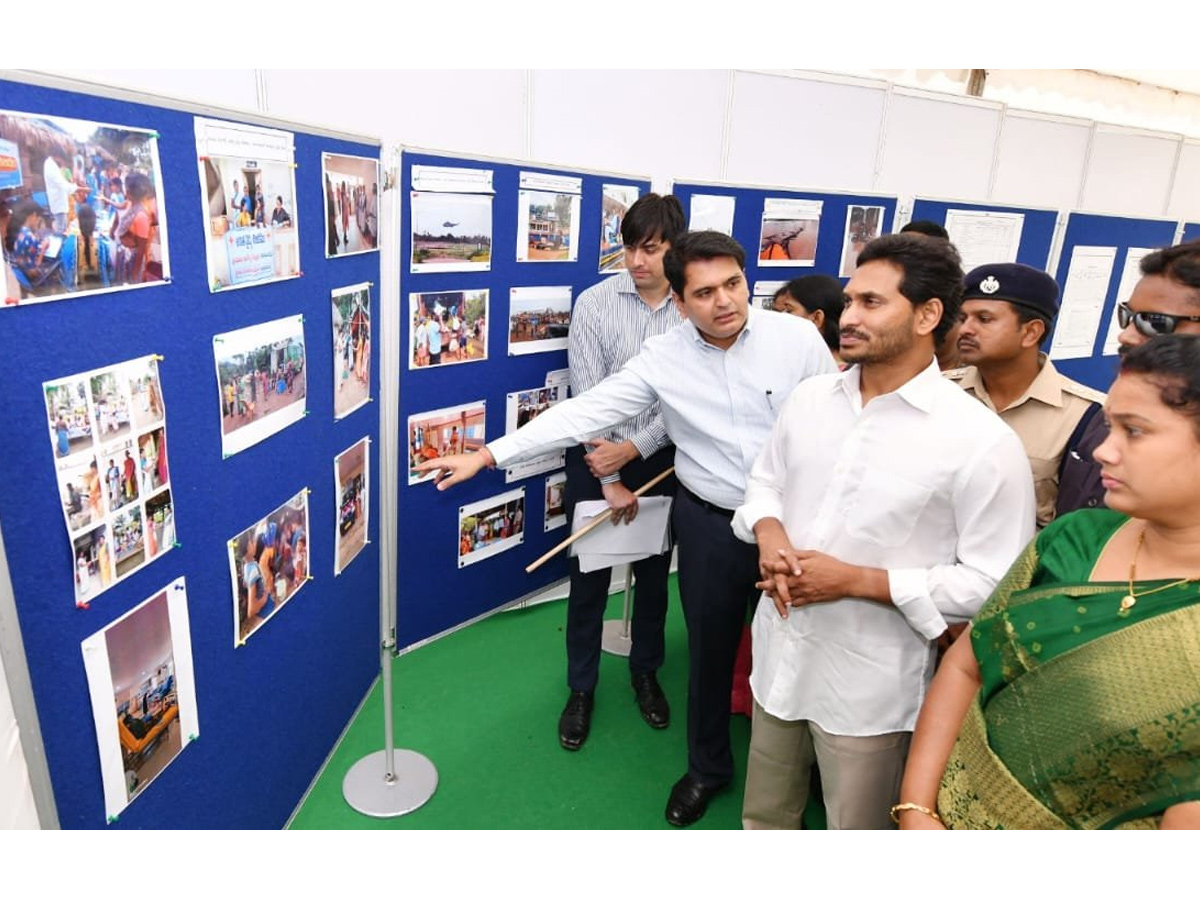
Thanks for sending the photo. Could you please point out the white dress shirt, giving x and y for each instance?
(717, 405)
(924, 482)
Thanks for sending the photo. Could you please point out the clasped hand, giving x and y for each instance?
(792, 577)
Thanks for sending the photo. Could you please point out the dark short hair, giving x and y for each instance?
(279, 198)
(138, 186)
(1180, 263)
(652, 216)
(1172, 363)
(930, 269)
(823, 292)
(926, 227)
(698, 245)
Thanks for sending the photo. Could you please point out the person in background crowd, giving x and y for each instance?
(818, 298)
(610, 322)
(1008, 309)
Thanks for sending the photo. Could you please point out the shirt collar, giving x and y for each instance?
(1044, 388)
(743, 335)
(626, 286)
(917, 392)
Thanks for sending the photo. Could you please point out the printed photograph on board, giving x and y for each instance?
(547, 227)
(444, 432)
(556, 509)
(248, 183)
(260, 380)
(447, 327)
(615, 200)
(451, 232)
(81, 208)
(539, 319)
(490, 526)
(789, 232)
(863, 225)
(522, 407)
(351, 348)
(268, 564)
(143, 695)
(109, 438)
(352, 186)
(352, 489)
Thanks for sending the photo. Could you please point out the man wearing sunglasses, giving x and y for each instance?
(1167, 299)
(1007, 311)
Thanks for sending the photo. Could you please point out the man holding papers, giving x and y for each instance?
(719, 379)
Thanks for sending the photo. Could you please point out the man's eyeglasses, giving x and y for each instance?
(1150, 323)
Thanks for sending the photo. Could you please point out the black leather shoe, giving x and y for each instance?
(651, 701)
(689, 801)
(576, 720)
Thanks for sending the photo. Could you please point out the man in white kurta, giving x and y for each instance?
(884, 507)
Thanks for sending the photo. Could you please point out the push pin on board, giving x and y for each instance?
(193, 737)
(179, 587)
(158, 357)
(112, 820)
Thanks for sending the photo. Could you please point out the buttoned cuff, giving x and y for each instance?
(648, 442)
(502, 450)
(910, 594)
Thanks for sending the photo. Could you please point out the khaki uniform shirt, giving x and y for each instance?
(1044, 418)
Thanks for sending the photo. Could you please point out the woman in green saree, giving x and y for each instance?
(1073, 701)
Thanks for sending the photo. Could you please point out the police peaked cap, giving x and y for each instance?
(1018, 284)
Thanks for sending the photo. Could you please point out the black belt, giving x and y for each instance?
(711, 507)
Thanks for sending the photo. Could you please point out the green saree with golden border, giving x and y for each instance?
(1088, 716)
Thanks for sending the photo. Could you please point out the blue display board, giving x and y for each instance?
(1088, 230)
(1191, 232)
(435, 592)
(1037, 232)
(747, 224)
(270, 710)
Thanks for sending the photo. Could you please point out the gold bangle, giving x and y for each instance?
(902, 807)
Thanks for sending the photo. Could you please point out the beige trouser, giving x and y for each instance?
(860, 776)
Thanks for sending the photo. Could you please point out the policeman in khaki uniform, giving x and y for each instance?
(1006, 312)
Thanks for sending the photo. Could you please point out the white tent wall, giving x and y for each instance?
(815, 130)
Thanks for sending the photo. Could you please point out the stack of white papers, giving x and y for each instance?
(615, 545)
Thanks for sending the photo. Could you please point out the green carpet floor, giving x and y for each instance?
(483, 705)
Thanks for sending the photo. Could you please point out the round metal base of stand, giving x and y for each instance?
(366, 789)
(616, 639)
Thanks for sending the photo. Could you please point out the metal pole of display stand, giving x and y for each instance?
(617, 639)
(389, 782)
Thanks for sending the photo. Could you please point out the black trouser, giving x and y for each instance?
(589, 591)
(717, 573)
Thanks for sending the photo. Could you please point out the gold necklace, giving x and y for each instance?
(1128, 601)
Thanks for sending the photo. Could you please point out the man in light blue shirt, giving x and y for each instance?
(719, 379)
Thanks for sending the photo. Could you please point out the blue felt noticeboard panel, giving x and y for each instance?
(434, 593)
(1087, 230)
(1037, 233)
(1191, 232)
(270, 710)
(747, 224)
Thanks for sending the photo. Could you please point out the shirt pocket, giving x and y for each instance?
(886, 508)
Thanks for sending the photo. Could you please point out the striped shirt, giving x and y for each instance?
(718, 406)
(609, 324)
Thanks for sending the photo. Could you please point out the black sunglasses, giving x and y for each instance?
(1150, 323)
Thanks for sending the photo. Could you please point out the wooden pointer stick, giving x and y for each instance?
(603, 517)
